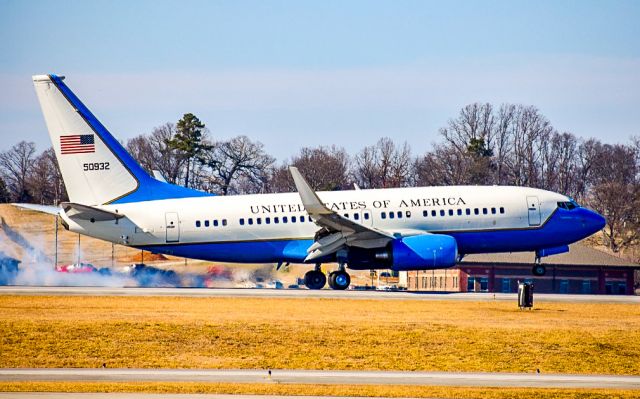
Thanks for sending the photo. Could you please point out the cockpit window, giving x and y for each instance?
(568, 205)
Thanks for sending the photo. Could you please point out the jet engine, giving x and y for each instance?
(421, 252)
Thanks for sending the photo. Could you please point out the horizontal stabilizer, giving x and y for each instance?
(85, 212)
(50, 209)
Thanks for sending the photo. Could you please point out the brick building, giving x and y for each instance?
(583, 270)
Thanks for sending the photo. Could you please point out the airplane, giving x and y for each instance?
(112, 198)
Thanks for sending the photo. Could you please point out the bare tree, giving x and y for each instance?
(237, 166)
(153, 153)
(325, 168)
(45, 181)
(15, 165)
(383, 165)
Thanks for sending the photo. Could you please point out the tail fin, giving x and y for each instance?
(95, 167)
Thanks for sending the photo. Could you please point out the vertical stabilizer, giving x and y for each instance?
(95, 167)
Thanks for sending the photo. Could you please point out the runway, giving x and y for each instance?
(304, 293)
(327, 377)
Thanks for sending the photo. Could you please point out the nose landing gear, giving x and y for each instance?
(538, 269)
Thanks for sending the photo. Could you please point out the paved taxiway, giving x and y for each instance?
(300, 293)
(327, 377)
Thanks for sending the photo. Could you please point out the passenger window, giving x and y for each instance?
(399, 214)
(383, 215)
(284, 219)
(484, 211)
(215, 223)
(242, 222)
(293, 219)
(468, 211)
(197, 223)
(433, 213)
(206, 223)
(501, 210)
(276, 220)
(407, 214)
(391, 215)
(250, 220)
(356, 216)
(267, 220)
(425, 213)
(459, 212)
(301, 219)
(493, 211)
(366, 215)
(476, 211)
(224, 222)
(346, 215)
(450, 212)
(259, 220)
(442, 213)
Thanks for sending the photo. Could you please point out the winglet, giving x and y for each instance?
(312, 204)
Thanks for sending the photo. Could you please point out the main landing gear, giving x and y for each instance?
(316, 279)
(538, 269)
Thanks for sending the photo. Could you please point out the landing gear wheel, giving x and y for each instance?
(539, 270)
(315, 280)
(339, 280)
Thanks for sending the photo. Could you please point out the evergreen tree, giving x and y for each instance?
(189, 140)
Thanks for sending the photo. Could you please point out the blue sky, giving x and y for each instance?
(295, 73)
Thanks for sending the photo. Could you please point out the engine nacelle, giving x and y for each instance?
(421, 252)
(428, 251)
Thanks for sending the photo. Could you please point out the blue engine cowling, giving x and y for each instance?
(428, 251)
(421, 252)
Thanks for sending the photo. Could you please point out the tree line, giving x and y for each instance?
(484, 144)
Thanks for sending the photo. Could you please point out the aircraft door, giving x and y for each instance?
(533, 204)
(173, 226)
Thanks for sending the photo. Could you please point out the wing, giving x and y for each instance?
(341, 231)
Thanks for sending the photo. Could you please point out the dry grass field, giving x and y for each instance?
(397, 391)
(312, 333)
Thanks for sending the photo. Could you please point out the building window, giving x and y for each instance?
(197, 223)
(471, 284)
(586, 286)
(564, 286)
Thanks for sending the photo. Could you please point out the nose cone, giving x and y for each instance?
(592, 221)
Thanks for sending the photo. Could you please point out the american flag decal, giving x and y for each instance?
(77, 144)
